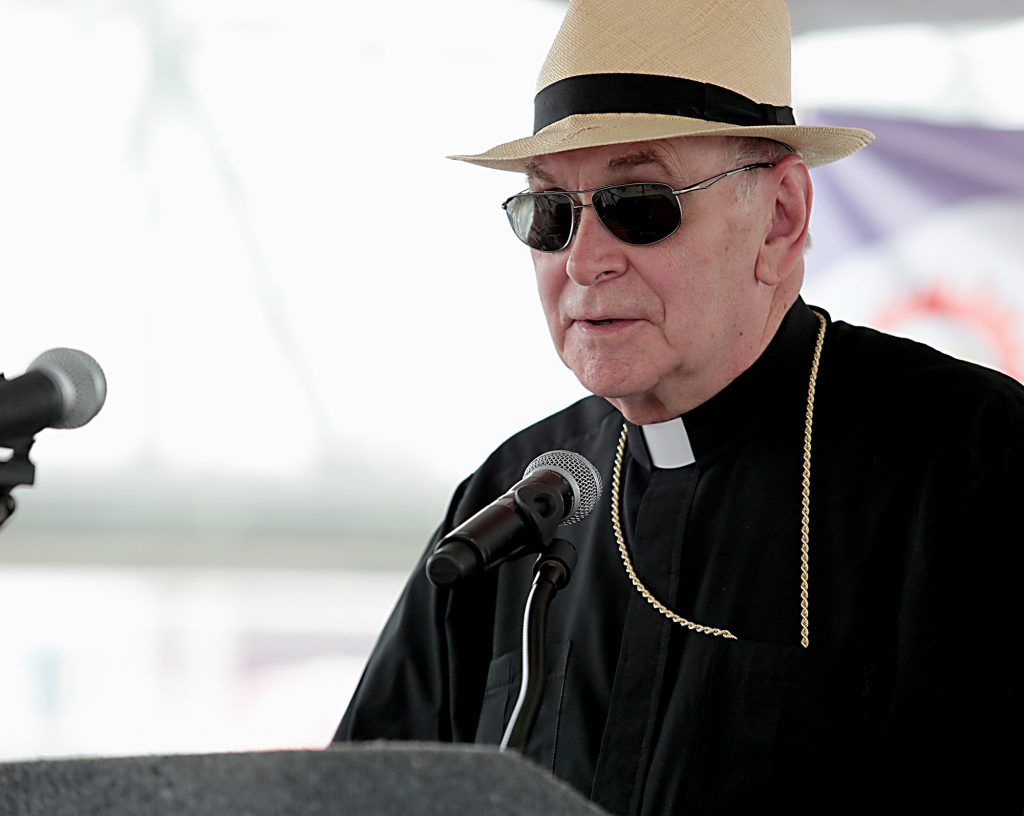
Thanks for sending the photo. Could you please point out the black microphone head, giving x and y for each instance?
(80, 380)
(582, 476)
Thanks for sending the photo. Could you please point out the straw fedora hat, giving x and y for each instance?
(635, 71)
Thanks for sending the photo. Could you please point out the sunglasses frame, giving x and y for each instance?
(576, 207)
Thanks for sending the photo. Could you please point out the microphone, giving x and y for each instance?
(558, 487)
(62, 388)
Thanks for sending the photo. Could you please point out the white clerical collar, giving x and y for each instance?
(668, 444)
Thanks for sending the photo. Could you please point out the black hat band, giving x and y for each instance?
(650, 93)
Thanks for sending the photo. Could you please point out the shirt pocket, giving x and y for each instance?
(500, 697)
(782, 723)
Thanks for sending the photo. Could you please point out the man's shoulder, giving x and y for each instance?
(588, 427)
(907, 378)
(877, 355)
(582, 426)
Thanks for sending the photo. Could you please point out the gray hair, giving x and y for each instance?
(752, 150)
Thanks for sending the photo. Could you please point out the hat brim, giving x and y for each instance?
(817, 144)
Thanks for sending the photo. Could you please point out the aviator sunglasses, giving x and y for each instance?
(640, 213)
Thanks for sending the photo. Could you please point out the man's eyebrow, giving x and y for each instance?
(638, 158)
(534, 171)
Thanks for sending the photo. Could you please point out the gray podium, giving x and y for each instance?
(367, 779)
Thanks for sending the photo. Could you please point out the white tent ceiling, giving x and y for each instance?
(812, 15)
(815, 15)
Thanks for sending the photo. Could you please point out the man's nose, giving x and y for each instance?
(595, 254)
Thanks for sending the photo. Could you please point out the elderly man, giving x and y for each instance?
(802, 593)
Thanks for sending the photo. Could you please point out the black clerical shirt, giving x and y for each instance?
(911, 685)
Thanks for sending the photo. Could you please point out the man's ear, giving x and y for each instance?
(787, 188)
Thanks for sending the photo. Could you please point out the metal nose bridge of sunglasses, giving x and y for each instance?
(538, 218)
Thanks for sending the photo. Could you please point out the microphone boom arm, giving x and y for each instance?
(16, 470)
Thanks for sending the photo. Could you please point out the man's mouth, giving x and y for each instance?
(604, 325)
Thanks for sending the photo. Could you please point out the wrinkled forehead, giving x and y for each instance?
(671, 158)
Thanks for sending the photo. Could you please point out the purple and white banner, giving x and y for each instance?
(921, 234)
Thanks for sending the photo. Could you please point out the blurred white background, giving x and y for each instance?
(313, 326)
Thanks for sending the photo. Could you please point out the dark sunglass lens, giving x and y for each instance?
(638, 213)
(542, 221)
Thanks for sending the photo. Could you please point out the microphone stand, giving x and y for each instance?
(551, 573)
(18, 470)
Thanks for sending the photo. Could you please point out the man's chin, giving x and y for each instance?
(613, 379)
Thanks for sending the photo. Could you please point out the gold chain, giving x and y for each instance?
(805, 519)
